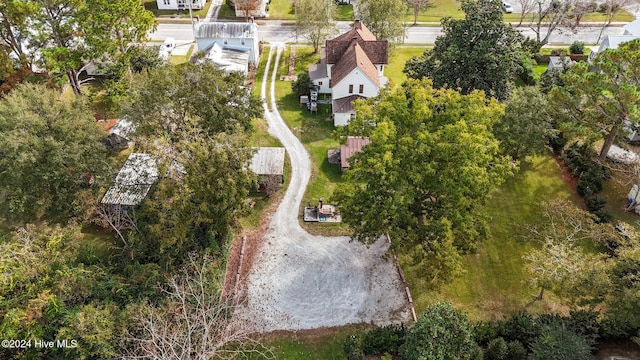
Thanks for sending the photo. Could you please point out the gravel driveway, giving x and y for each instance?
(300, 281)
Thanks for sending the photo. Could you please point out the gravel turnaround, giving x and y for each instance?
(301, 281)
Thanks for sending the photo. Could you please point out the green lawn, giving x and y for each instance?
(345, 12)
(494, 283)
(397, 59)
(281, 9)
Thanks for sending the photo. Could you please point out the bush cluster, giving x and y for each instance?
(591, 177)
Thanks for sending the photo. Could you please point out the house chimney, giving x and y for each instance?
(356, 24)
(320, 204)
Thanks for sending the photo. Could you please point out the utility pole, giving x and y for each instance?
(193, 26)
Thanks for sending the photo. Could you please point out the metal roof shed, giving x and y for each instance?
(268, 161)
(134, 180)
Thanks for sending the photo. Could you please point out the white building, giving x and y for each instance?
(180, 4)
(351, 67)
(611, 42)
(240, 37)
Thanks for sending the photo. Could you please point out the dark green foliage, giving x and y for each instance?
(591, 177)
(616, 327)
(557, 343)
(386, 339)
(479, 52)
(353, 348)
(496, 350)
(484, 332)
(550, 79)
(577, 47)
(526, 125)
(51, 146)
(525, 71)
(441, 333)
(557, 142)
(516, 351)
(302, 86)
(584, 323)
(521, 327)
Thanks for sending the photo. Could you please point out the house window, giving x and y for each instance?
(320, 83)
(353, 116)
(350, 89)
(167, 2)
(361, 90)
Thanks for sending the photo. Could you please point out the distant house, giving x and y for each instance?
(180, 4)
(351, 67)
(238, 37)
(559, 63)
(611, 42)
(354, 144)
(632, 28)
(121, 133)
(229, 60)
(130, 188)
(268, 164)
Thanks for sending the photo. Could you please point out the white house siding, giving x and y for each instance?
(324, 85)
(173, 4)
(341, 119)
(356, 78)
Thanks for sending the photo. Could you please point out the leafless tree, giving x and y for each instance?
(417, 6)
(247, 7)
(527, 7)
(193, 323)
(547, 16)
(609, 8)
(271, 184)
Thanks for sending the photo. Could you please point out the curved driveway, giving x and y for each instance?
(301, 281)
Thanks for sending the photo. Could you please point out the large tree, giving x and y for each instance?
(314, 19)
(601, 99)
(526, 126)
(431, 162)
(385, 18)
(479, 52)
(417, 6)
(14, 28)
(169, 97)
(69, 33)
(51, 148)
(441, 333)
(547, 16)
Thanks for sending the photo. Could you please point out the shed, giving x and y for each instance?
(130, 188)
(559, 62)
(268, 164)
(354, 144)
(121, 133)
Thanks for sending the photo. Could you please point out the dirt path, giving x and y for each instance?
(300, 281)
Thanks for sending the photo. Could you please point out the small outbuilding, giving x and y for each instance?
(559, 62)
(268, 164)
(120, 134)
(354, 144)
(130, 188)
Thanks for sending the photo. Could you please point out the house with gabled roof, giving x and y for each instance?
(611, 42)
(351, 67)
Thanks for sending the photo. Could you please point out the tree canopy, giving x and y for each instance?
(526, 126)
(51, 149)
(315, 20)
(431, 162)
(441, 333)
(597, 102)
(479, 52)
(385, 18)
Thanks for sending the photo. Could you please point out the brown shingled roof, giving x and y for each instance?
(376, 50)
(354, 144)
(352, 58)
(359, 30)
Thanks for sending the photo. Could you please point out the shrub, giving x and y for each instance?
(585, 323)
(516, 351)
(353, 348)
(557, 343)
(484, 332)
(594, 203)
(383, 339)
(302, 86)
(577, 47)
(558, 141)
(521, 327)
(497, 350)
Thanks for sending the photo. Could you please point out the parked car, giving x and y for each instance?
(507, 8)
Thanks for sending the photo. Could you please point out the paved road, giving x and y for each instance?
(300, 281)
(275, 32)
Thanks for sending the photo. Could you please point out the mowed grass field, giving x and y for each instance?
(494, 284)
